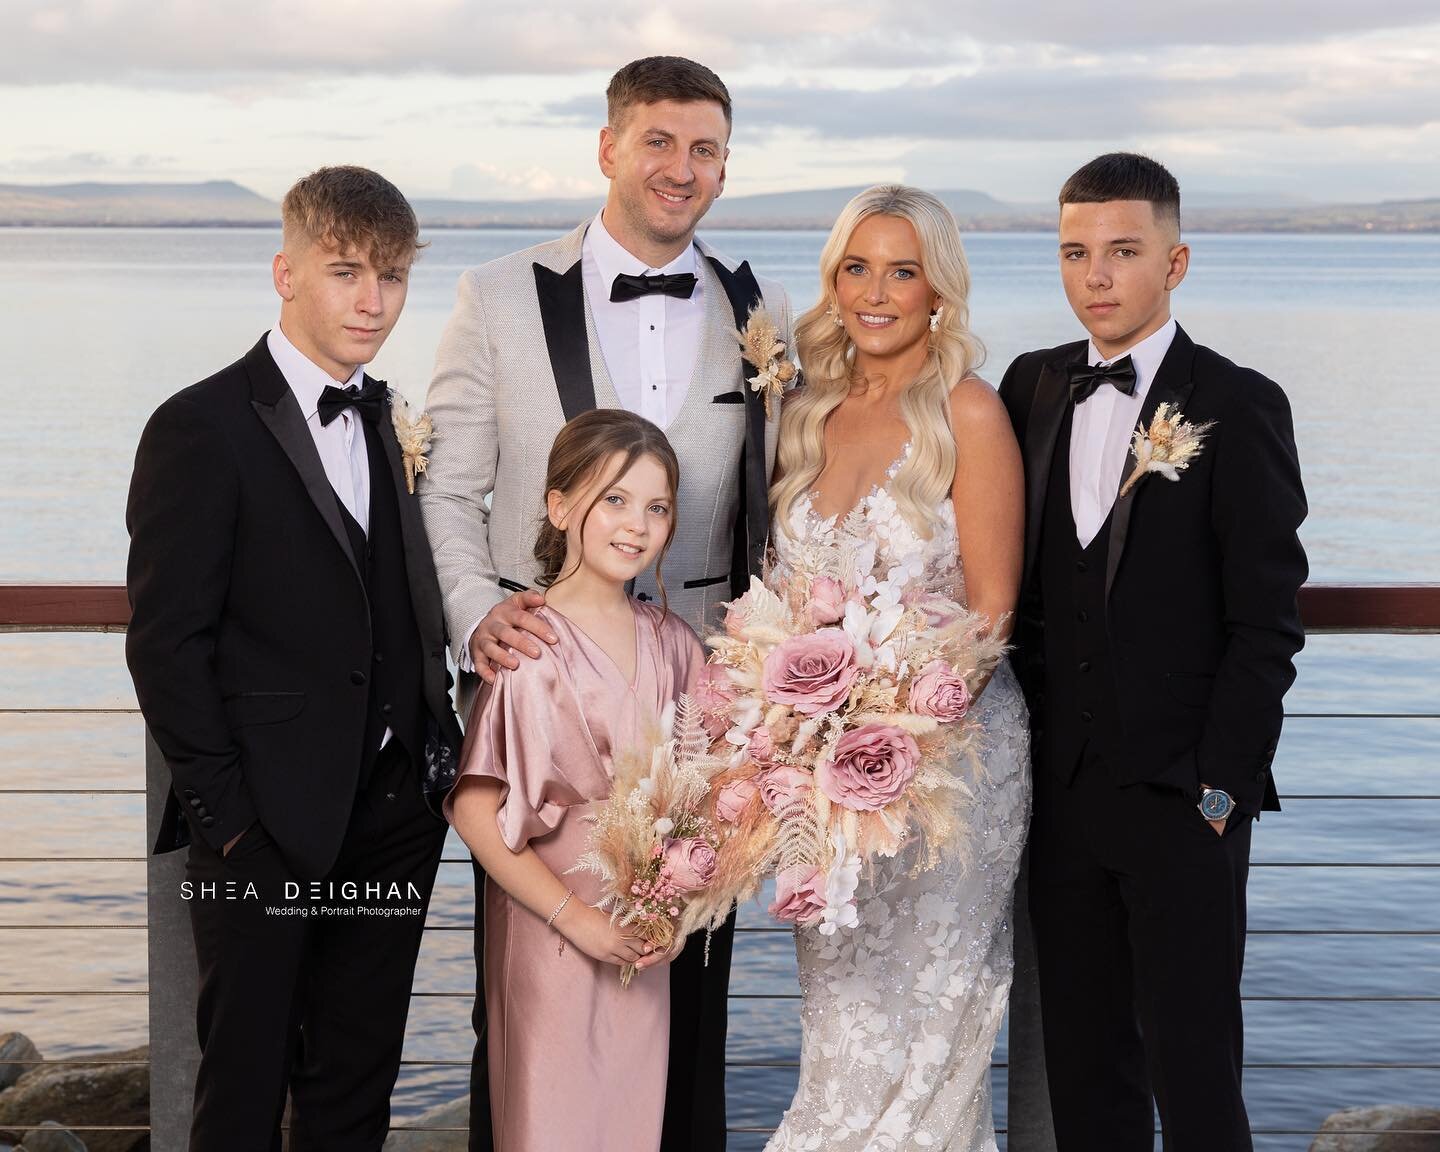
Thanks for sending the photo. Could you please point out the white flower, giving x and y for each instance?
(664, 826)
(840, 884)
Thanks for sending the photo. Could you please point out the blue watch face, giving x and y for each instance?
(1215, 805)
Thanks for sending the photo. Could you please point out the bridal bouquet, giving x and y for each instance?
(843, 701)
(653, 843)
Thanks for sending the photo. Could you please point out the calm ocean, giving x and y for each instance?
(102, 325)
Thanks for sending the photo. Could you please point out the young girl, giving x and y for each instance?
(576, 1060)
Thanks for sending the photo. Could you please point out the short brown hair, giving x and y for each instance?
(1125, 176)
(657, 78)
(353, 209)
(581, 447)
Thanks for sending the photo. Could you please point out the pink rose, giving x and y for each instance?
(799, 894)
(714, 696)
(938, 692)
(811, 673)
(870, 768)
(782, 785)
(827, 601)
(762, 746)
(733, 798)
(691, 862)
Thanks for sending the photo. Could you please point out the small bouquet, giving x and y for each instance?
(842, 700)
(653, 843)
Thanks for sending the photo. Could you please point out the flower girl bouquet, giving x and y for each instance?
(653, 843)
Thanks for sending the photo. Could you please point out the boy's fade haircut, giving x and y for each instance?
(353, 209)
(657, 78)
(1126, 176)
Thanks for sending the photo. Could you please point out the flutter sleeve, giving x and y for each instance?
(526, 731)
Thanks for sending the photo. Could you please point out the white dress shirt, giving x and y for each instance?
(650, 343)
(341, 443)
(1101, 432)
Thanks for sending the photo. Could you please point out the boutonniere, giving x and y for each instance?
(761, 345)
(1166, 447)
(413, 433)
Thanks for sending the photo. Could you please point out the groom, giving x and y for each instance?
(288, 652)
(627, 311)
(1156, 631)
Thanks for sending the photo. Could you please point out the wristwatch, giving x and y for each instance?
(1215, 803)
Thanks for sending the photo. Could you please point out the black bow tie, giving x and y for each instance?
(369, 401)
(628, 287)
(1085, 379)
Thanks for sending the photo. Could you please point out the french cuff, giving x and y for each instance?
(463, 659)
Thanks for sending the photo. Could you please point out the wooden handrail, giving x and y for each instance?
(1369, 608)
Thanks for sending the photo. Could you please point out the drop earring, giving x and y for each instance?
(834, 317)
(935, 318)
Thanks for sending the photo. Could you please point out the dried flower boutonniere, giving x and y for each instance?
(1166, 447)
(761, 345)
(414, 434)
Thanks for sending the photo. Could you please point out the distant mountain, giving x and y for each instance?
(213, 202)
(224, 203)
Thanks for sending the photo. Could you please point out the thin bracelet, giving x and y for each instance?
(551, 922)
(559, 908)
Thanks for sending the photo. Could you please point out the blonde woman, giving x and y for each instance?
(895, 438)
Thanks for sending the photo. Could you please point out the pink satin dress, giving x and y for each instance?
(576, 1061)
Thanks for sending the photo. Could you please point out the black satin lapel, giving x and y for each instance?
(287, 424)
(1042, 426)
(1173, 383)
(419, 566)
(743, 292)
(562, 312)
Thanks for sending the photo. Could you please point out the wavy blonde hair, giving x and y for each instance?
(828, 359)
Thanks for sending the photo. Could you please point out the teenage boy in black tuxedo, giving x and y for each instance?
(288, 653)
(1155, 641)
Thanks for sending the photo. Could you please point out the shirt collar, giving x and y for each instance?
(1145, 356)
(612, 259)
(306, 378)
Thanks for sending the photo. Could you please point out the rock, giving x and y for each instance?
(1394, 1120)
(456, 1114)
(15, 1046)
(50, 1137)
(82, 1094)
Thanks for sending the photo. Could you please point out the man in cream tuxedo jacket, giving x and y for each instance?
(627, 311)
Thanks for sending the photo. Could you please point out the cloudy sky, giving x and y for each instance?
(1330, 99)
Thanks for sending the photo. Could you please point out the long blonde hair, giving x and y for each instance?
(828, 359)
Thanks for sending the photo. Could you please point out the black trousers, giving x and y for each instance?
(1139, 916)
(309, 996)
(699, 1013)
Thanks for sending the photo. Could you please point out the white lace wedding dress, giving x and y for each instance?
(900, 1013)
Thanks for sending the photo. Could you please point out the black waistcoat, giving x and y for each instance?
(1081, 705)
(396, 699)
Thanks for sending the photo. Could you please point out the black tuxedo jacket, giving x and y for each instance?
(249, 639)
(1202, 576)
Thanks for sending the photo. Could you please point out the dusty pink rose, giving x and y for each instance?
(737, 612)
(782, 785)
(714, 696)
(691, 862)
(870, 767)
(811, 673)
(827, 601)
(762, 746)
(938, 692)
(733, 798)
(799, 894)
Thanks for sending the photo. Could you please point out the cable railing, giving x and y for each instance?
(1393, 609)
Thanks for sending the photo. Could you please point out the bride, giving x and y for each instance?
(895, 437)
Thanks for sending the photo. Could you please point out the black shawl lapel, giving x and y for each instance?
(1042, 426)
(1173, 383)
(743, 291)
(562, 312)
(280, 412)
(419, 566)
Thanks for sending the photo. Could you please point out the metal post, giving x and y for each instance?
(174, 1049)
(1030, 1128)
